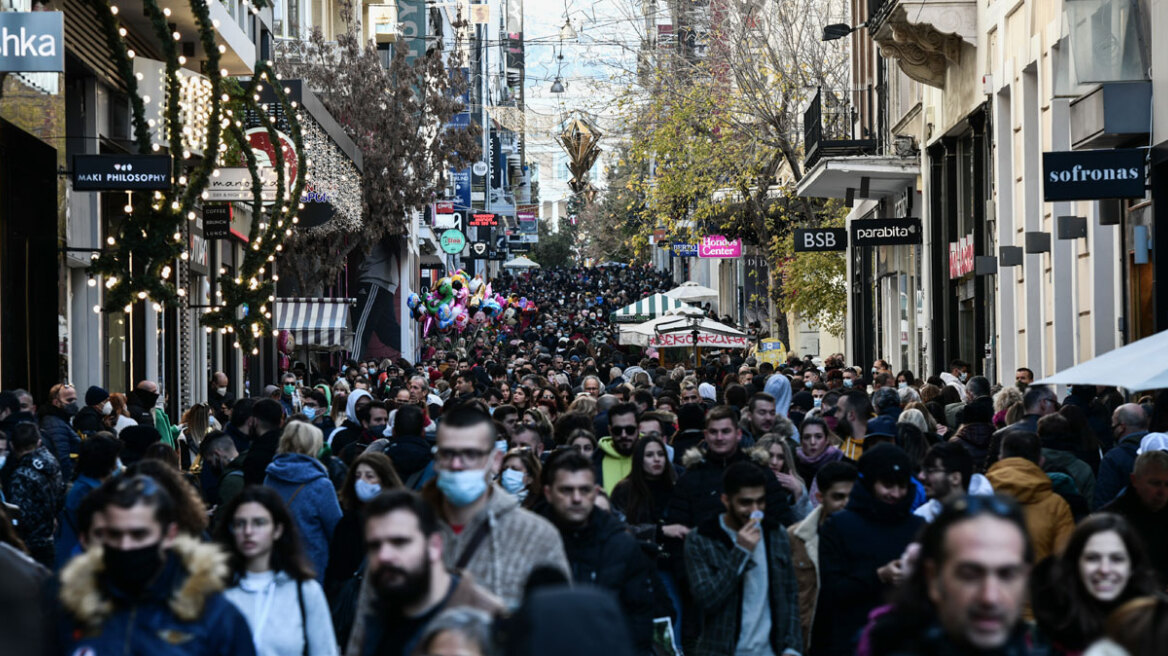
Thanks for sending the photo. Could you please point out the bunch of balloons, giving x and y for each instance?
(458, 301)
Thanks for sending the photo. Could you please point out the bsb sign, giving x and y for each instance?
(886, 232)
(1093, 174)
(810, 240)
(32, 42)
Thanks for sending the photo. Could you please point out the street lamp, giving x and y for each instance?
(839, 30)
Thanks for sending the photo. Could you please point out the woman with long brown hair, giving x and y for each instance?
(196, 423)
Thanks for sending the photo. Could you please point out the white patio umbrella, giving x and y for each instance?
(692, 292)
(520, 262)
(1141, 365)
(676, 329)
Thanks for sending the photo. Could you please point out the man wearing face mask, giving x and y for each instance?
(148, 590)
(218, 394)
(484, 529)
(223, 462)
(32, 480)
(141, 402)
(56, 418)
(91, 418)
(288, 398)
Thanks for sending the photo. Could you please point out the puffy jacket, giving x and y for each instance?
(182, 613)
(1115, 469)
(304, 484)
(853, 544)
(1048, 517)
(697, 497)
(59, 437)
(602, 553)
(1060, 460)
(36, 486)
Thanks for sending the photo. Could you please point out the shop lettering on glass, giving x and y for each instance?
(961, 257)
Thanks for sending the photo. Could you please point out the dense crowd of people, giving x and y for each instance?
(535, 488)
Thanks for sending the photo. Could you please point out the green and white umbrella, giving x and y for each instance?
(645, 309)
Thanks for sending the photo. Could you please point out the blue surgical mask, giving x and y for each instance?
(501, 446)
(462, 488)
(848, 382)
(366, 490)
(902, 385)
(818, 403)
(309, 412)
(512, 480)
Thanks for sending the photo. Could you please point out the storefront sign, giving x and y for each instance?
(683, 249)
(1093, 174)
(484, 220)
(198, 255)
(886, 232)
(961, 257)
(32, 42)
(527, 223)
(704, 339)
(120, 172)
(318, 208)
(217, 221)
(809, 240)
(719, 246)
(453, 241)
(234, 183)
(479, 250)
(773, 351)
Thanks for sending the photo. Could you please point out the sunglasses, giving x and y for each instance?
(623, 430)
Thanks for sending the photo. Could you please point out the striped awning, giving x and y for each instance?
(321, 324)
(645, 309)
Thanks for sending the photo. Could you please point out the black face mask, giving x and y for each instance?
(131, 570)
(148, 399)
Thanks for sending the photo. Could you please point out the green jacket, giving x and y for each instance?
(713, 561)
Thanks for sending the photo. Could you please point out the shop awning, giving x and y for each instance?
(831, 177)
(319, 324)
(645, 309)
(676, 328)
(1135, 367)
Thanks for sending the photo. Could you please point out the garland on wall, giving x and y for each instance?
(136, 262)
(244, 305)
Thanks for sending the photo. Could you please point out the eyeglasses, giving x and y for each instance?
(469, 457)
(623, 430)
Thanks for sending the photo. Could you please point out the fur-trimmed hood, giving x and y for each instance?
(204, 573)
(697, 455)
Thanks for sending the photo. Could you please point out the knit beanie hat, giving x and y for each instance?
(886, 463)
(95, 395)
(691, 416)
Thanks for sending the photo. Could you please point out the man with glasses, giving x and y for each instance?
(148, 590)
(967, 592)
(484, 530)
(1038, 401)
(1129, 425)
(614, 453)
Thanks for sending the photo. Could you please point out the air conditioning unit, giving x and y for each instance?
(382, 23)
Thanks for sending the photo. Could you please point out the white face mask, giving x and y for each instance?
(221, 391)
(107, 408)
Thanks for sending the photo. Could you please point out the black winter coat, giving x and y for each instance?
(853, 544)
(259, 456)
(602, 553)
(410, 454)
(697, 497)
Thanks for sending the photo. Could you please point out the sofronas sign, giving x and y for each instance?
(1093, 174)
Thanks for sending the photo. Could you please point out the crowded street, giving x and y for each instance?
(583, 328)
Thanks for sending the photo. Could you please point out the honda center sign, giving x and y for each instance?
(886, 232)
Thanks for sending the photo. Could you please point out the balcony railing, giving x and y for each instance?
(832, 133)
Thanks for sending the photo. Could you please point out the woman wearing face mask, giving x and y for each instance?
(196, 422)
(302, 480)
(370, 474)
(273, 584)
(520, 476)
(781, 463)
(120, 413)
(1103, 566)
(817, 447)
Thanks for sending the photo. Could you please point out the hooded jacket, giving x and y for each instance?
(351, 430)
(1115, 469)
(315, 507)
(604, 554)
(976, 439)
(517, 541)
(611, 467)
(697, 497)
(716, 565)
(298, 610)
(1056, 459)
(853, 544)
(1048, 517)
(779, 387)
(183, 612)
(59, 437)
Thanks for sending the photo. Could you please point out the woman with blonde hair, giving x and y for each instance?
(303, 482)
(583, 404)
(780, 460)
(196, 423)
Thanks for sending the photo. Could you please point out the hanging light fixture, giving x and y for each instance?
(558, 85)
(567, 32)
